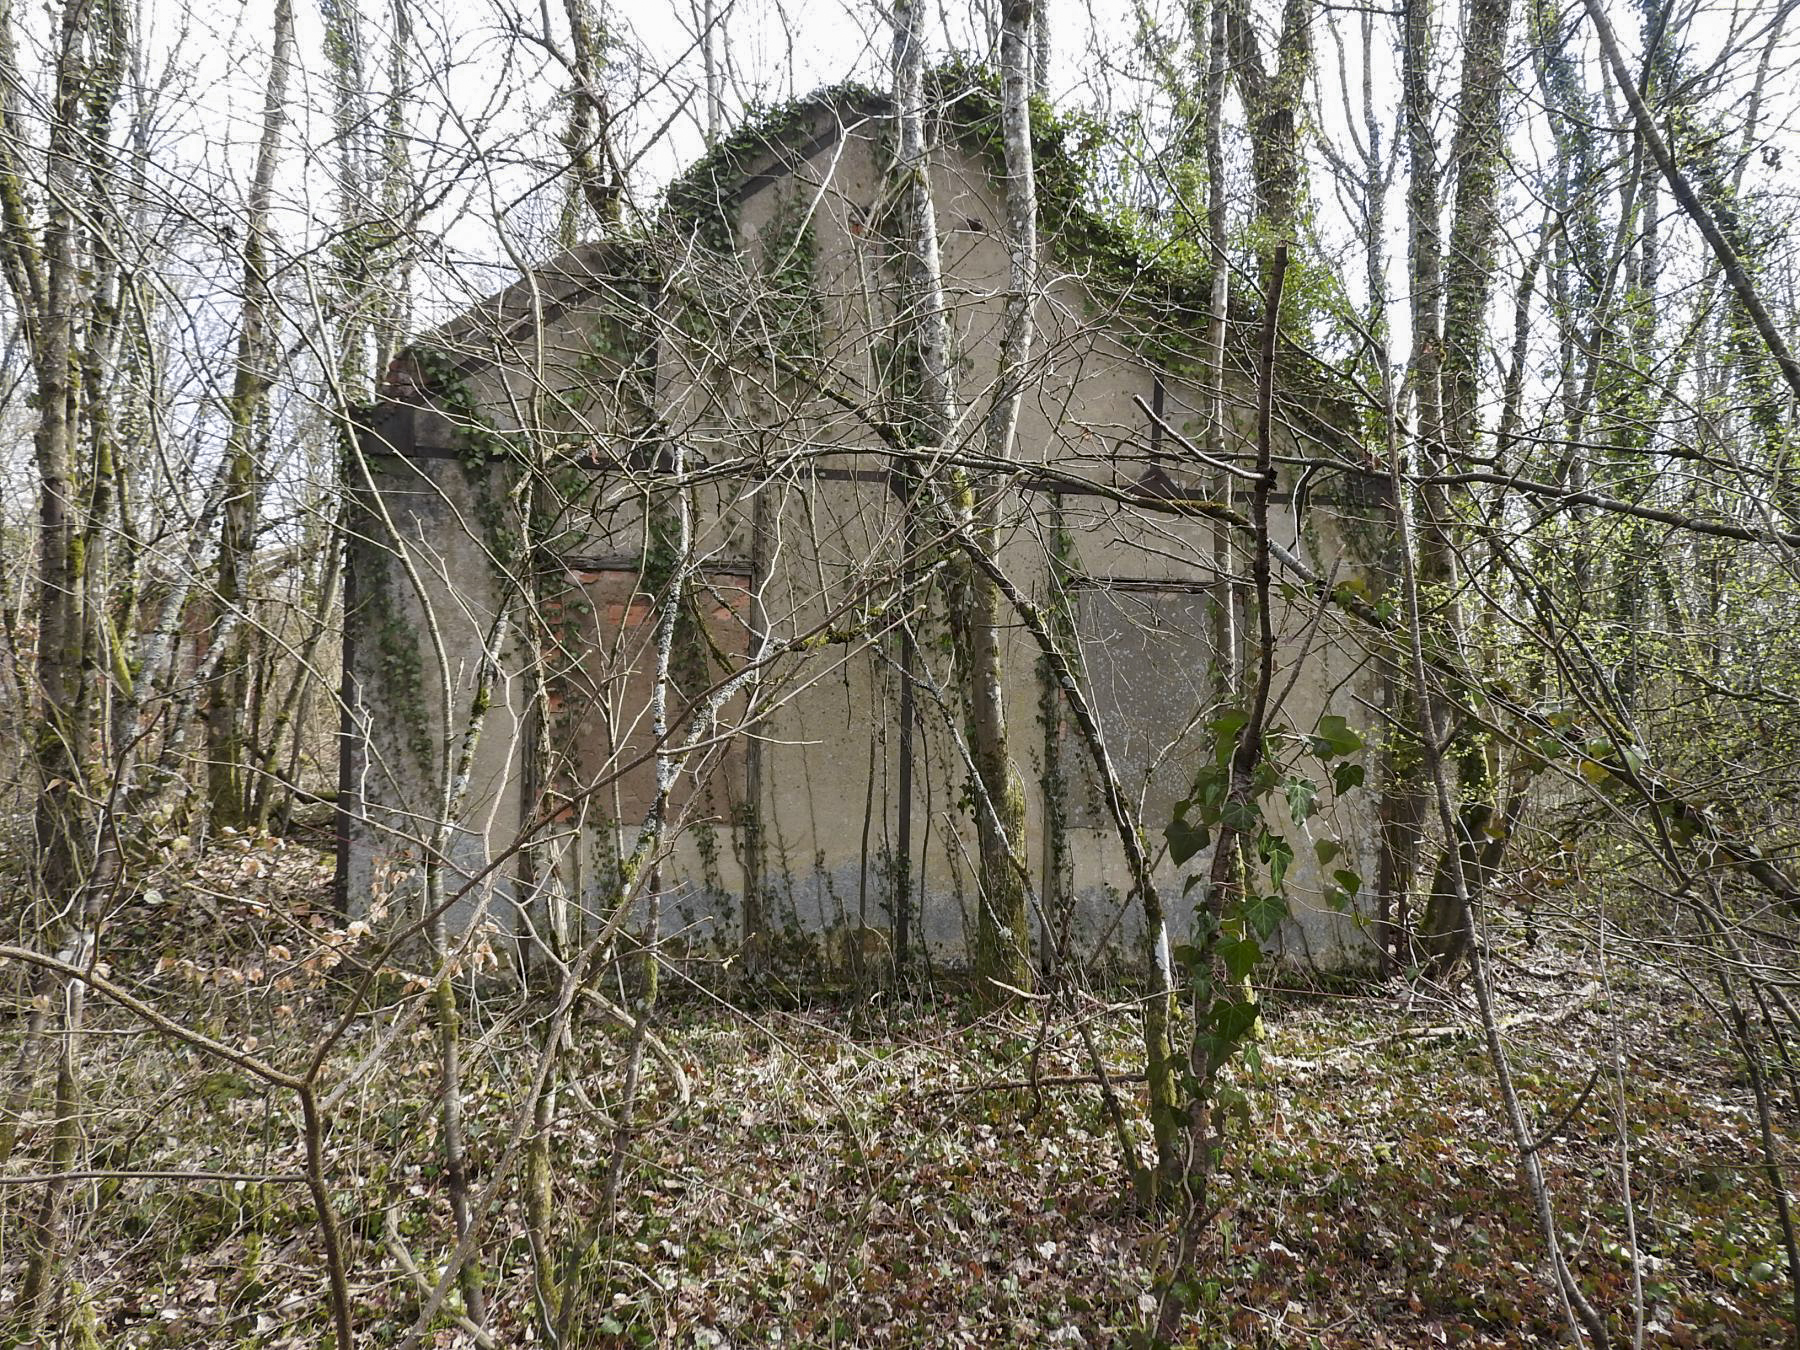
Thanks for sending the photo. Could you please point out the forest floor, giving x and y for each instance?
(860, 1170)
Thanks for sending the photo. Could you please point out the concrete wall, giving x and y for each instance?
(421, 606)
(800, 530)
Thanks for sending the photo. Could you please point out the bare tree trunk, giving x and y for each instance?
(39, 1289)
(228, 795)
(1436, 734)
(715, 77)
(290, 713)
(1274, 103)
(756, 848)
(445, 1004)
(588, 139)
(1690, 202)
(1003, 944)
(1002, 938)
(1228, 609)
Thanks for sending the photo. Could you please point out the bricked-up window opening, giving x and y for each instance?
(601, 702)
(1151, 661)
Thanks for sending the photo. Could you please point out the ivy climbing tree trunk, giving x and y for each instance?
(1733, 265)
(1223, 1010)
(63, 282)
(1403, 792)
(1040, 49)
(45, 276)
(1469, 266)
(588, 137)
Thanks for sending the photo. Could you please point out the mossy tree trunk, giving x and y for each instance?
(1274, 105)
(47, 277)
(1003, 950)
(63, 282)
(1467, 273)
(1404, 791)
(587, 139)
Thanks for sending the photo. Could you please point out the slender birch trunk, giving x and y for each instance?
(1229, 606)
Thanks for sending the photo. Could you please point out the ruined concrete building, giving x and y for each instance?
(518, 536)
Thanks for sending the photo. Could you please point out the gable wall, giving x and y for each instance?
(813, 820)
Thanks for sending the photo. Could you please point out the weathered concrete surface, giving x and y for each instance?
(799, 528)
(421, 611)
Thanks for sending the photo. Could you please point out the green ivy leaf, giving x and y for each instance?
(1185, 839)
(1253, 1060)
(1334, 737)
(1549, 748)
(1209, 791)
(1240, 956)
(1684, 828)
(1264, 913)
(1232, 1019)
(1345, 777)
(1278, 854)
(1240, 816)
(1225, 729)
(1302, 797)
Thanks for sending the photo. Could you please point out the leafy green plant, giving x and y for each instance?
(1245, 901)
(1252, 794)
